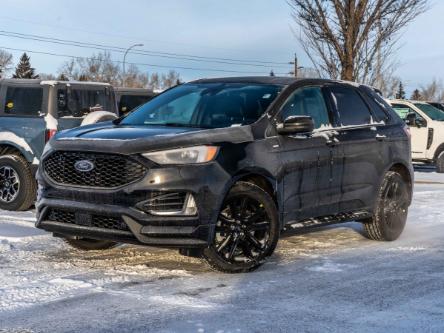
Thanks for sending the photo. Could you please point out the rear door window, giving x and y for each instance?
(24, 101)
(350, 106)
(75, 102)
(308, 101)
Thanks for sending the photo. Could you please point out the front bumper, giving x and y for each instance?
(207, 183)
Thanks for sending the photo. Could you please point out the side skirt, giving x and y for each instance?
(326, 220)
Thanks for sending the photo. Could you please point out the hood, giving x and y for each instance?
(108, 137)
(109, 131)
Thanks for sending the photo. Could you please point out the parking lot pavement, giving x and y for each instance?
(330, 279)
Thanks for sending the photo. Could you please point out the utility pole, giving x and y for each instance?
(296, 67)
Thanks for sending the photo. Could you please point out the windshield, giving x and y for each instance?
(78, 102)
(206, 105)
(432, 112)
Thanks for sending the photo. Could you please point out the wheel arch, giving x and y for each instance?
(438, 151)
(258, 178)
(9, 147)
(9, 140)
(406, 174)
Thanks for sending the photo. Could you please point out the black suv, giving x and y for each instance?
(220, 167)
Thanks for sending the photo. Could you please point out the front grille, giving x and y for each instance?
(164, 201)
(109, 170)
(86, 219)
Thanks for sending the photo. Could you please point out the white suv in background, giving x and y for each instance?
(427, 128)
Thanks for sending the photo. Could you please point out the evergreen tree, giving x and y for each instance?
(416, 96)
(401, 92)
(24, 69)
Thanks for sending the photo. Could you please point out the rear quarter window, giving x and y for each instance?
(379, 107)
(24, 101)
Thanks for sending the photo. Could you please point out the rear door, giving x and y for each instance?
(419, 131)
(358, 138)
(22, 113)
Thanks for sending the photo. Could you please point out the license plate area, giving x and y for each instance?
(84, 219)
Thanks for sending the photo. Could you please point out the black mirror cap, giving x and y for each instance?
(296, 124)
(410, 119)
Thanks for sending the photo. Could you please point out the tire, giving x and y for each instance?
(391, 211)
(86, 244)
(440, 163)
(17, 185)
(247, 230)
(97, 117)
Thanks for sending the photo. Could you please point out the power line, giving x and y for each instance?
(132, 63)
(178, 56)
(108, 34)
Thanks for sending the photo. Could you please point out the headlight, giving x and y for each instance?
(189, 155)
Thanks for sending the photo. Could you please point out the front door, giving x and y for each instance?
(419, 131)
(306, 159)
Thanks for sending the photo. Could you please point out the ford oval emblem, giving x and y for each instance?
(84, 166)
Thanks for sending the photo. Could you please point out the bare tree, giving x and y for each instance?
(98, 68)
(47, 77)
(154, 82)
(5, 62)
(432, 92)
(133, 78)
(171, 79)
(353, 39)
(101, 68)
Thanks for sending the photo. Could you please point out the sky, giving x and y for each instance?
(247, 30)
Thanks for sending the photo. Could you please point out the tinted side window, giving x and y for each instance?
(351, 107)
(23, 101)
(307, 101)
(130, 102)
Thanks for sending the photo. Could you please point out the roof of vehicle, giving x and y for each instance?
(135, 91)
(280, 80)
(53, 82)
(406, 101)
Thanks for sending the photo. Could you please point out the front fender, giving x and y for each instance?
(11, 139)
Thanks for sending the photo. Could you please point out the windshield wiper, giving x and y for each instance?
(181, 125)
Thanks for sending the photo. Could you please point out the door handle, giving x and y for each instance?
(332, 141)
(381, 137)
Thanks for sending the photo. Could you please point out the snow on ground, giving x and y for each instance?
(330, 279)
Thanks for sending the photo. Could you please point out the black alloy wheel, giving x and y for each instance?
(17, 184)
(390, 216)
(246, 232)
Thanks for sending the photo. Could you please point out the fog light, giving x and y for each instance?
(190, 205)
(169, 204)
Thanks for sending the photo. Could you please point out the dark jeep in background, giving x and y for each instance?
(31, 112)
(220, 167)
(130, 98)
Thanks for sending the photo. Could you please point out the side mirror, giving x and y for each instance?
(420, 122)
(410, 119)
(296, 124)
